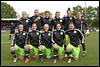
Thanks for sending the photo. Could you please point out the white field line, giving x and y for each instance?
(5, 42)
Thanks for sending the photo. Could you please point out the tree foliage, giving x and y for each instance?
(7, 11)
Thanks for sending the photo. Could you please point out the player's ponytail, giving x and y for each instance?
(68, 9)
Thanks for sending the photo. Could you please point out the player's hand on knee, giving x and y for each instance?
(68, 49)
(26, 46)
(41, 47)
(13, 48)
(55, 46)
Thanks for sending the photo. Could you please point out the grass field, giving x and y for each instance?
(92, 58)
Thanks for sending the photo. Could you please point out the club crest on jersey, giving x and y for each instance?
(61, 33)
(49, 34)
(60, 20)
(26, 20)
(23, 33)
(70, 18)
(74, 31)
(37, 33)
(39, 18)
(49, 19)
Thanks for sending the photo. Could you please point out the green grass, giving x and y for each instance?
(92, 58)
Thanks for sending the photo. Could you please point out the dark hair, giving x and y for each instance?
(59, 23)
(57, 12)
(46, 23)
(34, 23)
(47, 12)
(20, 24)
(72, 22)
(68, 9)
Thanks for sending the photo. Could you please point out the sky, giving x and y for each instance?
(52, 6)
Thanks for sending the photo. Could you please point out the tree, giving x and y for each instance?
(42, 14)
(91, 14)
(7, 11)
(96, 17)
(76, 9)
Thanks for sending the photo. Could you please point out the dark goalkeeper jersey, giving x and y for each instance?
(75, 36)
(20, 39)
(33, 38)
(46, 39)
(59, 37)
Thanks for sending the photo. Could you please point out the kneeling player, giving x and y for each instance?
(18, 43)
(33, 42)
(46, 43)
(74, 36)
(59, 39)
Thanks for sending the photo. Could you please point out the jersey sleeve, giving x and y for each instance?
(13, 40)
(27, 38)
(40, 40)
(52, 39)
(85, 24)
(81, 35)
(63, 20)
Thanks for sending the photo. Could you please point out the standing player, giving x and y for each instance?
(18, 43)
(47, 19)
(12, 30)
(56, 19)
(67, 18)
(46, 43)
(81, 25)
(33, 42)
(74, 36)
(37, 18)
(25, 21)
(59, 40)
